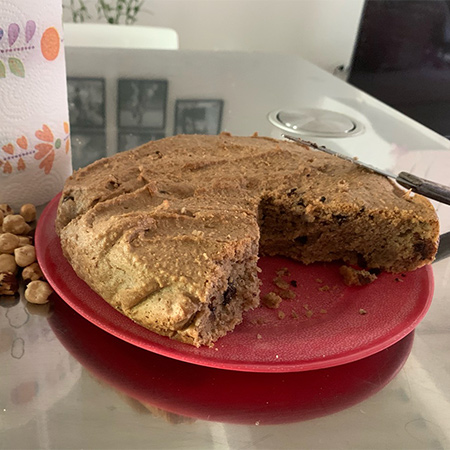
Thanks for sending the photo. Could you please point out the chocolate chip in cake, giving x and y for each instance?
(291, 192)
(229, 294)
(302, 240)
(424, 247)
(340, 218)
(67, 198)
(322, 199)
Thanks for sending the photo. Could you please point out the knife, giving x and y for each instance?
(444, 247)
(418, 185)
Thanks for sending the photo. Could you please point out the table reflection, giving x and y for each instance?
(177, 389)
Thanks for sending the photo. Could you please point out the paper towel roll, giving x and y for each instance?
(35, 156)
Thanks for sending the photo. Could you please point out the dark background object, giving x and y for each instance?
(87, 146)
(142, 104)
(86, 98)
(202, 116)
(402, 57)
(87, 112)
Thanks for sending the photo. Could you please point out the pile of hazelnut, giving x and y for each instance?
(18, 255)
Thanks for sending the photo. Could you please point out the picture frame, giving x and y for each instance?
(86, 99)
(87, 146)
(128, 140)
(198, 116)
(142, 104)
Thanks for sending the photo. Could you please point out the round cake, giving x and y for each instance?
(170, 233)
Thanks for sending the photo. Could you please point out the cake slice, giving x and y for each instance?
(186, 273)
(352, 215)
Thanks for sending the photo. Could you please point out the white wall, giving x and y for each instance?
(321, 31)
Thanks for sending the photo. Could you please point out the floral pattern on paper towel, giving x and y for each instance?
(12, 154)
(13, 43)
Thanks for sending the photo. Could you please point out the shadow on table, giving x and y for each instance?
(198, 392)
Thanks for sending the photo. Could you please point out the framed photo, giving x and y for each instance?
(132, 139)
(86, 97)
(198, 116)
(87, 147)
(142, 104)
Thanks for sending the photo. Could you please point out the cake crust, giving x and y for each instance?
(169, 233)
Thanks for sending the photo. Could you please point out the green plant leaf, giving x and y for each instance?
(16, 67)
(2, 70)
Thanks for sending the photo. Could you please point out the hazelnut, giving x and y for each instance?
(8, 242)
(32, 272)
(38, 292)
(25, 255)
(24, 240)
(28, 212)
(15, 224)
(8, 284)
(8, 264)
(6, 209)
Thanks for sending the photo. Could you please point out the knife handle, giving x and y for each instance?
(444, 247)
(424, 187)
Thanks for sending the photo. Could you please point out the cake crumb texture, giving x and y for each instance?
(271, 300)
(355, 277)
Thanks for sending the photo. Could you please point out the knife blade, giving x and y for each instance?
(418, 185)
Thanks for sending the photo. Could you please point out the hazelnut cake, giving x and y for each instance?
(169, 233)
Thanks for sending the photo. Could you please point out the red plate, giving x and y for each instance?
(326, 325)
